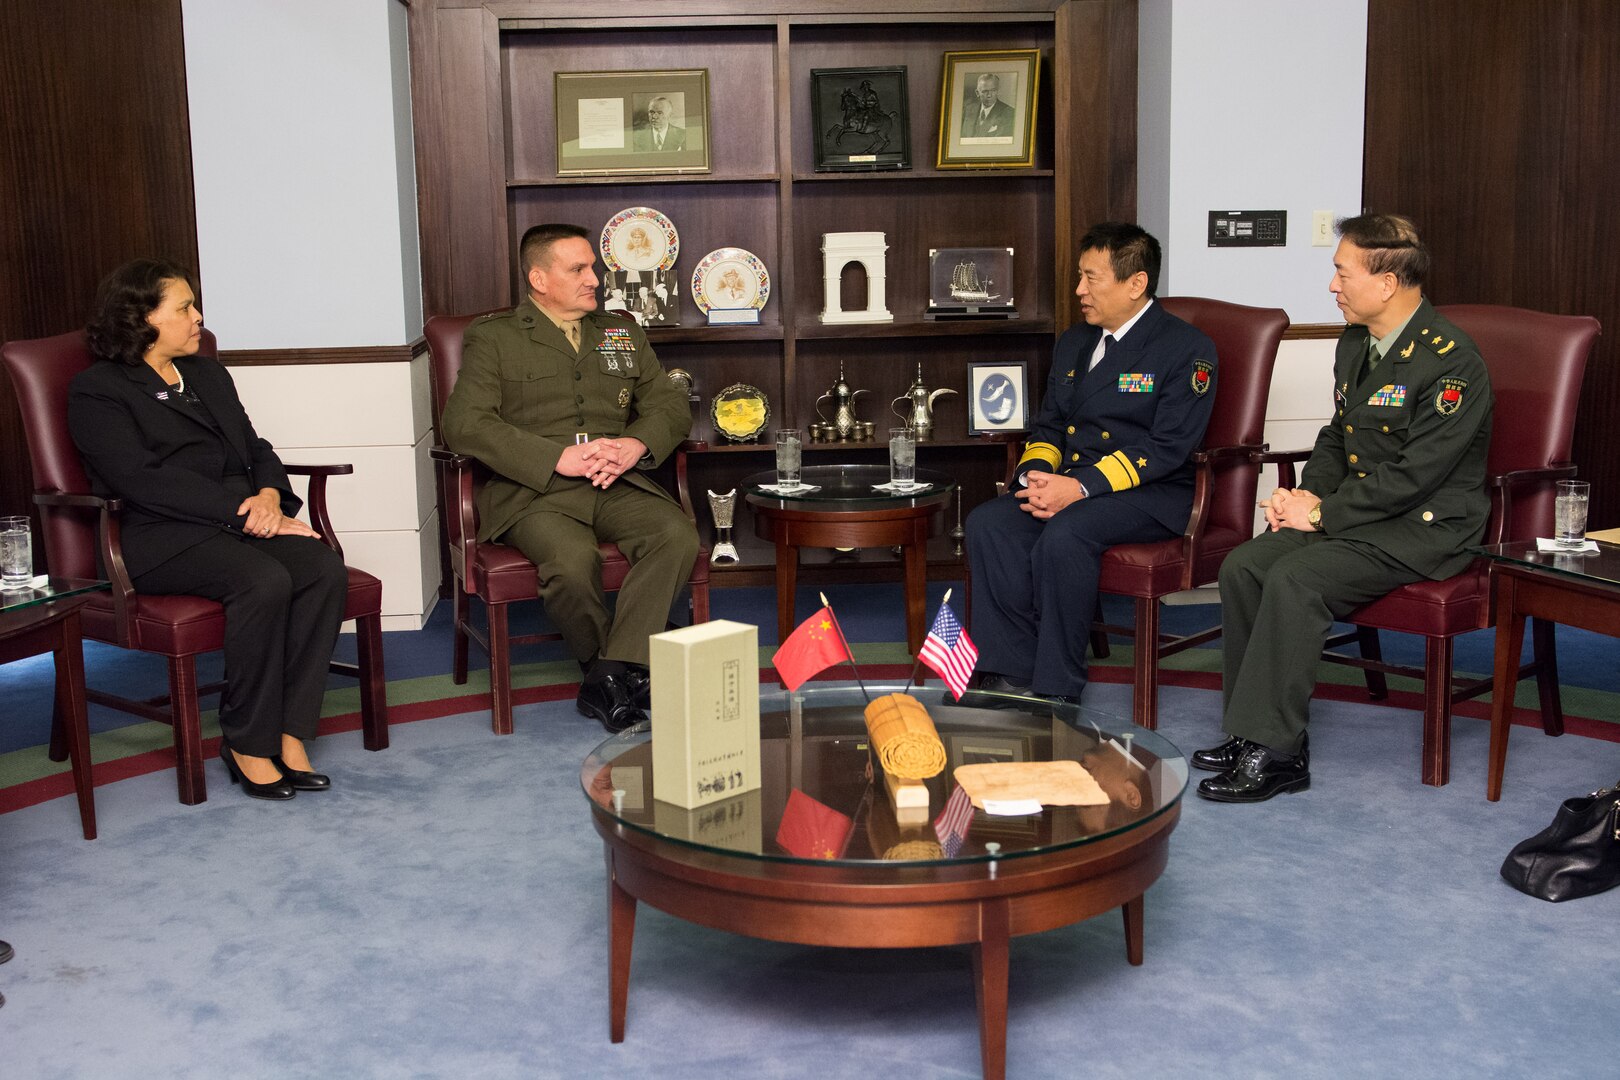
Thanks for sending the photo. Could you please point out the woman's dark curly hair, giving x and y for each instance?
(118, 330)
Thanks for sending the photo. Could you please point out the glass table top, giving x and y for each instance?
(820, 801)
(1602, 565)
(44, 590)
(853, 485)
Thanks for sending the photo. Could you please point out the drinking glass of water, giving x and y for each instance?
(16, 553)
(902, 457)
(789, 457)
(1569, 512)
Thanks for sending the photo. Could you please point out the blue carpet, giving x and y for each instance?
(441, 913)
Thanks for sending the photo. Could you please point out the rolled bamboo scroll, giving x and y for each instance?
(904, 737)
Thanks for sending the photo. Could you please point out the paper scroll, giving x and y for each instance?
(904, 737)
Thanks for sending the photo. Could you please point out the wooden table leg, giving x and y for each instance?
(1509, 642)
(787, 587)
(916, 567)
(990, 987)
(621, 933)
(70, 707)
(1133, 930)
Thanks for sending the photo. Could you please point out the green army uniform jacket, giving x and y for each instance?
(523, 395)
(1402, 463)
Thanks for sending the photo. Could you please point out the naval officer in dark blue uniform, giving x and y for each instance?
(1126, 404)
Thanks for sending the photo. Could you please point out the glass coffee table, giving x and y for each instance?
(843, 508)
(818, 855)
(1580, 590)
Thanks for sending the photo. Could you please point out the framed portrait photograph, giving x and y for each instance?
(861, 118)
(624, 122)
(987, 109)
(651, 297)
(998, 397)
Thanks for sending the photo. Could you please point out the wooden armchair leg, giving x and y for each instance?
(373, 683)
(1099, 636)
(1372, 649)
(500, 670)
(187, 720)
(700, 603)
(458, 666)
(1545, 649)
(1145, 670)
(1437, 656)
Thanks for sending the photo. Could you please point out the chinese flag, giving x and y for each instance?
(815, 646)
(813, 830)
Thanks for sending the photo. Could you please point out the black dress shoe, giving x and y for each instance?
(639, 680)
(1259, 774)
(994, 692)
(278, 791)
(1224, 758)
(610, 700)
(300, 780)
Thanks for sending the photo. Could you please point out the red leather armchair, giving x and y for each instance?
(1537, 362)
(1246, 340)
(78, 526)
(499, 575)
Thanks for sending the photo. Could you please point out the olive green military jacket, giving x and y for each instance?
(523, 396)
(1402, 463)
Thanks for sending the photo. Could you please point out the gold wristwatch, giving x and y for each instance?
(1315, 517)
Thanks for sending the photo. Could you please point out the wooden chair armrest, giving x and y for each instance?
(447, 456)
(318, 516)
(1284, 460)
(1502, 486)
(1507, 480)
(1204, 462)
(110, 546)
(456, 476)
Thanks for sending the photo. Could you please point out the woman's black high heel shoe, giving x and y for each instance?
(300, 780)
(280, 790)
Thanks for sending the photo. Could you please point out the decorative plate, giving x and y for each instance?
(740, 412)
(640, 238)
(730, 277)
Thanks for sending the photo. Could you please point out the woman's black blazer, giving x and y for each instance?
(144, 445)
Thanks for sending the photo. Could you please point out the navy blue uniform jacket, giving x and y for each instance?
(1130, 424)
(144, 445)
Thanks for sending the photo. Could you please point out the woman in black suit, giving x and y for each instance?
(209, 512)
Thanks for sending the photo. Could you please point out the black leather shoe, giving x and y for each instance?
(1224, 758)
(994, 692)
(1259, 774)
(610, 700)
(278, 791)
(302, 781)
(639, 680)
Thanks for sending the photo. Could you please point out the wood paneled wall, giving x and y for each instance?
(1495, 124)
(95, 168)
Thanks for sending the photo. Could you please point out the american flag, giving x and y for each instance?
(951, 826)
(949, 651)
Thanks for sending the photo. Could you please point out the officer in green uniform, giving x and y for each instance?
(1394, 492)
(568, 407)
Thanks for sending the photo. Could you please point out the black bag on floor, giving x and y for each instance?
(1577, 855)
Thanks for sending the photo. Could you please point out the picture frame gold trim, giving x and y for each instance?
(1008, 142)
(602, 126)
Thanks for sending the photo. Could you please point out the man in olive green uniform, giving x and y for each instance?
(568, 406)
(1394, 492)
